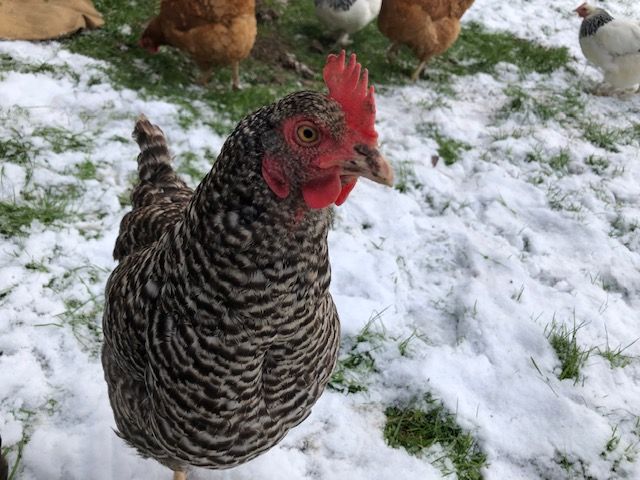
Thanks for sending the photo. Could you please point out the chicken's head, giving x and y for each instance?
(323, 143)
(585, 10)
(152, 37)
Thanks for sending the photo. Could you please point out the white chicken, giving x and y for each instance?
(613, 45)
(347, 16)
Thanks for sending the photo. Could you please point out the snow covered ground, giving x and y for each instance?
(465, 272)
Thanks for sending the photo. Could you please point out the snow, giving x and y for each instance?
(474, 262)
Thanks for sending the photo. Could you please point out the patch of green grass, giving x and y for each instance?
(560, 161)
(353, 367)
(565, 343)
(597, 164)
(603, 136)
(188, 164)
(62, 140)
(416, 428)
(449, 149)
(616, 356)
(405, 177)
(28, 418)
(84, 318)
(621, 226)
(574, 469)
(543, 104)
(478, 50)
(559, 200)
(9, 63)
(86, 170)
(47, 207)
(36, 266)
(17, 150)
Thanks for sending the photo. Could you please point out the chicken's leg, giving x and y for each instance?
(204, 77)
(392, 52)
(179, 475)
(235, 75)
(343, 40)
(418, 71)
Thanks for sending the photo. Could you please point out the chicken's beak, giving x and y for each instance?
(369, 163)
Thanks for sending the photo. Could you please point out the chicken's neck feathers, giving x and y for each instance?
(239, 246)
(592, 23)
(343, 5)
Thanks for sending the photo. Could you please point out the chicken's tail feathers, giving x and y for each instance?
(154, 160)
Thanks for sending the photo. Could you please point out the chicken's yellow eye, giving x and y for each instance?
(307, 134)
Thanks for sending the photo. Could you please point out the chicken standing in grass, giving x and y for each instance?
(220, 331)
(213, 32)
(347, 16)
(427, 27)
(612, 45)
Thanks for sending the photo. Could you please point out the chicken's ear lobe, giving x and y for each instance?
(348, 85)
(275, 177)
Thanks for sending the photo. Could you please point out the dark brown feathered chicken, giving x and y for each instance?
(427, 27)
(4, 466)
(220, 332)
(213, 32)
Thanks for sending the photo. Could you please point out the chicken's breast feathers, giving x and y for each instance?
(619, 37)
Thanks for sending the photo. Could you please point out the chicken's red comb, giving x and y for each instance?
(351, 90)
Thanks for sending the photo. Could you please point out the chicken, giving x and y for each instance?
(4, 466)
(213, 32)
(613, 45)
(347, 16)
(427, 27)
(219, 329)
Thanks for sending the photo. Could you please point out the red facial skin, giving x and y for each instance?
(582, 10)
(149, 45)
(320, 166)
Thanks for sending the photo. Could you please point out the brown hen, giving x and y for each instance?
(427, 27)
(213, 32)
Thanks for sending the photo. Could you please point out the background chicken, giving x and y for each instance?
(613, 45)
(220, 332)
(213, 32)
(4, 467)
(427, 27)
(347, 16)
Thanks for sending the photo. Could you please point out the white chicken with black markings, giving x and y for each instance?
(347, 16)
(612, 45)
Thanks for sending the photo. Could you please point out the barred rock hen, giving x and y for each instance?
(427, 27)
(4, 466)
(213, 32)
(220, 332)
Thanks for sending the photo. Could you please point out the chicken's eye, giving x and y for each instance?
(307, 134)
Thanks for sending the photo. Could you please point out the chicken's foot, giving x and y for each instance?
(179, 475)
(204, 77)
(416, 74)
(343, 40)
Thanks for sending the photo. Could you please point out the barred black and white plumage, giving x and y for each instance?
(220, 331)
(4, 466)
